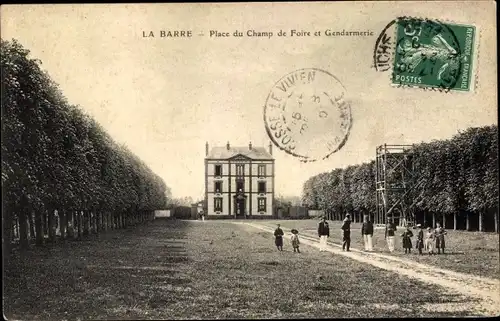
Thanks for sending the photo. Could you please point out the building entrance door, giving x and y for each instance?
(240, 206)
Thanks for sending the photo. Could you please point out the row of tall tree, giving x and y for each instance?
(460, 174)
(57, 158)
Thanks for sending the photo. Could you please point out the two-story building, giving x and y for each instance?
(239, 182)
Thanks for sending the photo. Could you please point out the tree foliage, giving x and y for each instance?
(55, 156)
(461, 173)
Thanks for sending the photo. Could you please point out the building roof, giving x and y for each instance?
(224, 153)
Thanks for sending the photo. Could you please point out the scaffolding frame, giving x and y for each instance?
(397, 184)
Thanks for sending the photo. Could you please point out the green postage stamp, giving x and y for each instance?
(433, 54)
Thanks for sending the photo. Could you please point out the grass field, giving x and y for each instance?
(172, 269)
(467, 252)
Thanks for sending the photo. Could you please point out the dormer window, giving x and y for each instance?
(261, 170)
(240, 170)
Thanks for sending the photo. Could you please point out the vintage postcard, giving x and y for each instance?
(250, 160)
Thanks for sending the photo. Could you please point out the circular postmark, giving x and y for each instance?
(306, 114)
(427, 54)
(384, 47)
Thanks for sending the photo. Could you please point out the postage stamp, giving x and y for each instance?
(307, 115)
(433, 54)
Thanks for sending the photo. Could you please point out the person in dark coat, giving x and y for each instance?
(323, 233)
(439, 237)
(407, 235)
(346, 227)
(420, 239)
(367, 232)
(278, 235)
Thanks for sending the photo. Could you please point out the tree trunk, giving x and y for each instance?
(70, 224)
(105, 220)
(455, 220)
(52, 225)
(444, 221)
(496, 221)
(39, 227)
(45, 223)
(62, 224)
(79, 217)
(32, 226)
(86, 222)
(93, 221)
(98, 224)
(433, 219)
(480, 221)
(13, 230)
(467, 224)
(23, 229)
(7, 234)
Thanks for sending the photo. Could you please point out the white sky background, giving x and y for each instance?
(164, 98)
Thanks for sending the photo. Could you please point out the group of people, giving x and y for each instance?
(428, 241)
(278, 239)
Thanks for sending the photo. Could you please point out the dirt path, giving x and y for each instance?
(485, 289)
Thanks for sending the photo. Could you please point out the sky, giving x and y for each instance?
(165, 97)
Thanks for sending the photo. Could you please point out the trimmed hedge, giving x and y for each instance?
(55, 157)
(461, 176)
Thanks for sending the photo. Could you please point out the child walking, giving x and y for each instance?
(295, 240)
(407, 235)
(429, 241)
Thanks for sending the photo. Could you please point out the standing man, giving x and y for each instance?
(323, 233)
(367, 232)
(346, 227)
(389, 235)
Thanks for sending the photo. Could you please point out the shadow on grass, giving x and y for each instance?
(111, 275)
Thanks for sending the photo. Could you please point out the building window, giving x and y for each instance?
(240, 186)
(261, 170)
(240, 170)
(261, 204)
(218, 204)
(218, 170)
(218, 187)
(262, 187)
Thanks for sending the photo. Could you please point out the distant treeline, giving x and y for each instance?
(461, 176)
(55, 157)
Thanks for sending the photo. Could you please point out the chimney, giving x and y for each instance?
(270, 148)
(250, 146)
(227, 146)
(206, 149)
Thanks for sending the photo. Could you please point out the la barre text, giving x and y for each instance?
(253, 33)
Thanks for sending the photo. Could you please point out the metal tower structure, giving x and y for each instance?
(397, 185)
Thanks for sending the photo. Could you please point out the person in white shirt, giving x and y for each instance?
(323, 233)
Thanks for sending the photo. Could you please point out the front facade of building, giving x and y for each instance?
(239, 182)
